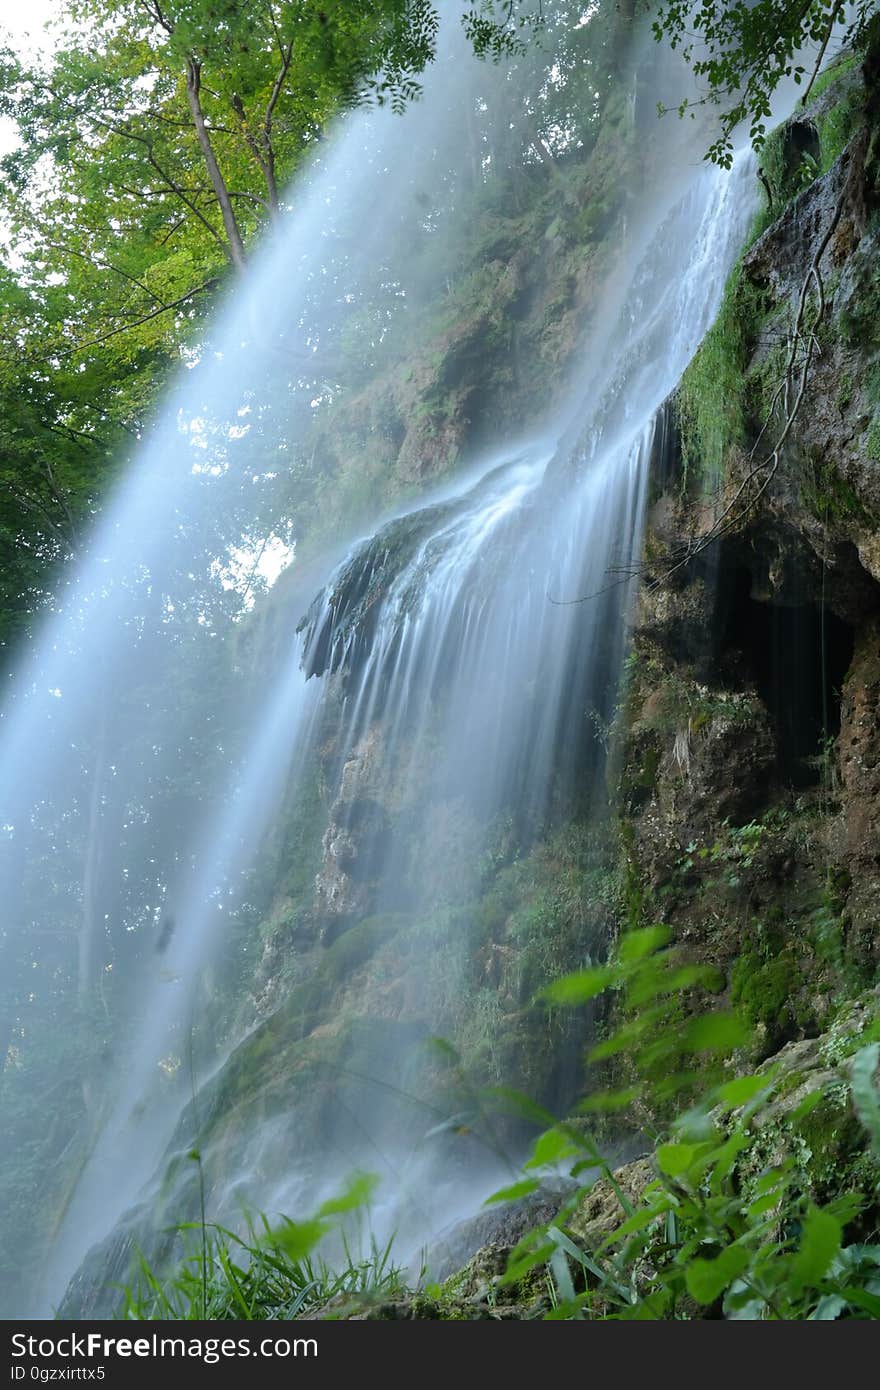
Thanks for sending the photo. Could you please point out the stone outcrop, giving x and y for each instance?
(353, 841)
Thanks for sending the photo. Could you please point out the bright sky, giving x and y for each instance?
(24, 19)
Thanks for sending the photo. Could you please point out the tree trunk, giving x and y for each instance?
(218, 183)
(271, 184)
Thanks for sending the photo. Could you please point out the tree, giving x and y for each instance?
(744, 51)
(170, 128)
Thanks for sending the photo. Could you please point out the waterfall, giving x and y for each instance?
(467, 654)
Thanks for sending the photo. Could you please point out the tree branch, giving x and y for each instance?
(835, 14)
(127, 133)
(106, 265)
(154, 10)
(126, 327)
(37, 507)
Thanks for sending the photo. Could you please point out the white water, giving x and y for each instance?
(477, 648)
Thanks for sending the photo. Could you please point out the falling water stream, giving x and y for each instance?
(463, 646)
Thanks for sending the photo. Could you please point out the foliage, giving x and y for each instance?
(840, 119)
(730, 1222)
(744, 52)
(830, 497)
(271, 1272)
(724, 1227)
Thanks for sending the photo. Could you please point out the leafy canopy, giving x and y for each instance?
(743, 51)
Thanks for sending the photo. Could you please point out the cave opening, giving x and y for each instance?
(798, 656)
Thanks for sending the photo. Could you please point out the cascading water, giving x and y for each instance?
(464, 657)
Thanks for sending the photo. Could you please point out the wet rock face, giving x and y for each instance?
(341, 622)
(828, 487)
(495, 1230)
(859, 764)
(354, 841)
(711, 768)
(756, 688)
(700, 747)
(860, 741)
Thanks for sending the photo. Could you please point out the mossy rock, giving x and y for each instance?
(766, 991)
(356, 946)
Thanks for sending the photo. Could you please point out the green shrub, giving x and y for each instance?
(729, 1225)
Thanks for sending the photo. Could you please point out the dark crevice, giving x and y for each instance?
(797, 656)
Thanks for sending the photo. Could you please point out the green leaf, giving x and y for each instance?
(652, 983)
(767, 1202)
(719, 1032)
(828, 1308)
(296, 1238)
(626, 1036)
(676, 1159)
(860, 1298)
(443, 1050)
(723, 1159)
(564, 1243)
(639, 1222)
(608, 1101)
(518, 1103)
(562, 1276)
(707, 1279)
(521, 1264)
(819, 1244)
(514, 1192)
(635, 945)
(743, 1089)
(806, 1106)
(358, 1193)
(551, 1147)
(579, 987)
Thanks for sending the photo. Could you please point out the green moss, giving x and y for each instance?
(831, 1151)
(644, 776)
(761, 389)
(716, 400)
(830, 497)
(766, 990)
(845, 393)
(872, 384)
(872, 440)
(453, 1298)
(840, 67)
(859, 322)
(839, 123)
(359, 943)
(711, 397)
(784, 171)
(789, 169)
